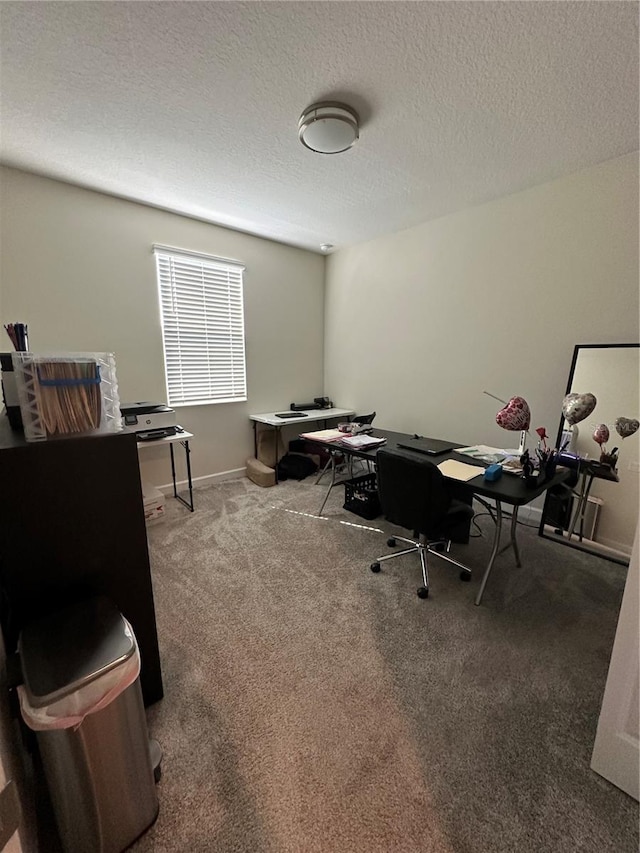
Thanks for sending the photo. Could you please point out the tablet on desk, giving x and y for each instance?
(292, 415)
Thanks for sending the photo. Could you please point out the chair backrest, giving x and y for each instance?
(364, 419)
(413, 492)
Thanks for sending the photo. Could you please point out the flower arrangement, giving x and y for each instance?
(545, 461)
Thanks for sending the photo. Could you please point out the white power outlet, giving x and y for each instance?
(634, 466)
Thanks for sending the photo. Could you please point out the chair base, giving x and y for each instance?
(423, 547)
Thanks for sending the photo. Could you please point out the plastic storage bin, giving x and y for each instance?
(81, 694)
(361, 496)
(67, 393)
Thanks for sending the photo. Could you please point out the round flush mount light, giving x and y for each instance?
(328, 127)
(326, 247)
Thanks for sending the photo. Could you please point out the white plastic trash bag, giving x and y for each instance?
(70, 711)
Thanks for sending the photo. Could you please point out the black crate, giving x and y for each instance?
(361, 496)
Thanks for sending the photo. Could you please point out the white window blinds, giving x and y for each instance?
(202, 327)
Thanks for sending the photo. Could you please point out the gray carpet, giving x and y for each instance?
(311, 705)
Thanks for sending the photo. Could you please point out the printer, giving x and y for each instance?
(148, 420)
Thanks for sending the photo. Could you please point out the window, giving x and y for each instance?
(202, 327)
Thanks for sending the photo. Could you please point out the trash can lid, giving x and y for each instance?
(70, 648)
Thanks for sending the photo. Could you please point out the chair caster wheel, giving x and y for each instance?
(391, 542)
(423, 592)
(465, 576)
(375, 568)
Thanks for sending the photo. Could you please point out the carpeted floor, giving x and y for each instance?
(312, 706)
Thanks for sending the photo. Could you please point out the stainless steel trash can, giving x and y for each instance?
(79, 696)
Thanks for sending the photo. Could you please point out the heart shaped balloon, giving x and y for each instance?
(601, 434)
(515, 416)
(626, 426)
(577, 407)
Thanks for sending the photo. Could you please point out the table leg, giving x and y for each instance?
(578, 511)
(494, 552)
(587, 482)
(324, 470)
(514, 541)
(584, 505)
(187, 451)
(173, 471)
(331, 484)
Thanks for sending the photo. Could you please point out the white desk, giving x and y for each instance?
(307, 416)
(183, 438)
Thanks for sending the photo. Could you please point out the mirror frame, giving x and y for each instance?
(579, 546)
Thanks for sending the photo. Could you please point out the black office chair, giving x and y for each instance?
(414, 494)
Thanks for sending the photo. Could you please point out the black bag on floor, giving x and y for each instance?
(294, 466)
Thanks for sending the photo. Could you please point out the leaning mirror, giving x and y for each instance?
(599, 512)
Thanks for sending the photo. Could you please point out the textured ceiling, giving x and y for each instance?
(193, 106)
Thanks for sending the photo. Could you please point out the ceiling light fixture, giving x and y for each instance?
(326, 247)
(328, 127)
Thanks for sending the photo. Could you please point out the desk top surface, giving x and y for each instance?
(14, 439)
(600, 471)
(510, 488)
(305, 416)
(166, 439)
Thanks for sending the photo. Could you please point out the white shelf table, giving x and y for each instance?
(183, 438)
(306, 416)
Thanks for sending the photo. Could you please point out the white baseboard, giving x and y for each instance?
(534, 513)
(602, 548)
(622, 549)
(208, 479)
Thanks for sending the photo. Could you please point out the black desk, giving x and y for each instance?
(509, 489)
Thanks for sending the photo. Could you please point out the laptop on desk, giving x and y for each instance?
(430, 446)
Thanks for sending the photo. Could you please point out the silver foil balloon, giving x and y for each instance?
(626, 426)
(577, 407)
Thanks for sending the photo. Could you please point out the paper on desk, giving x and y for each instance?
(323, 435)
(459, 470)
(512, 465)
(361, 441)
(483, 452)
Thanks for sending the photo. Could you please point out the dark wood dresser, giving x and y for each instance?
(72, 526)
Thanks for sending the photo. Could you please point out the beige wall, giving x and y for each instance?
(420, 322)
(77, 267)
